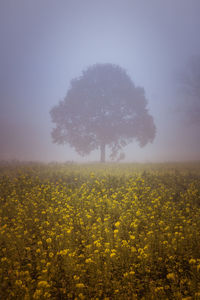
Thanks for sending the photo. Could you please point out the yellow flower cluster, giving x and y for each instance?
(100, 231)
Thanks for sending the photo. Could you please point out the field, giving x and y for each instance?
(116, 231)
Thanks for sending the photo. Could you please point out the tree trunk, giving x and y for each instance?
(103, 152)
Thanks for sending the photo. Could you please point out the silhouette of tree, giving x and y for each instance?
(190, 86)
(102, 108)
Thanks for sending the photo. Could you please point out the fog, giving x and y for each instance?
(45, 44)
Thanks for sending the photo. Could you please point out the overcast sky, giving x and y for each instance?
(46, 43)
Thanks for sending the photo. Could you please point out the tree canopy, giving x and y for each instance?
(102, 108)
(190, 84)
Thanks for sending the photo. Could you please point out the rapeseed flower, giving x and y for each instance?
(80, 285)
(104, 232)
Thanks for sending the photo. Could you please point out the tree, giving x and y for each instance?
(102, 108)
(190, 86)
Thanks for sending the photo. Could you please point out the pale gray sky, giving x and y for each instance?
(46, 43)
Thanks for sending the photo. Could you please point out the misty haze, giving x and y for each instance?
(46, 44)
(99, 149)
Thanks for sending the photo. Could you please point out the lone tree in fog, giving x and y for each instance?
(102, 108)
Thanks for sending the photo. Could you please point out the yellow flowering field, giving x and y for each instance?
(115, 231)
